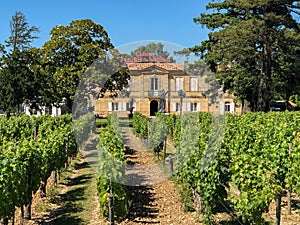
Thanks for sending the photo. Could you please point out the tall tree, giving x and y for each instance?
(16, 77)
(156, 48)
(71, 50)
(251, 45)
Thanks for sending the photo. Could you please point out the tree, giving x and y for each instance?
(155, 52)
(71, 50)
(16, 77)
(250, 46)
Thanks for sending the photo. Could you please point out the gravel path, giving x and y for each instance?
(154, 199)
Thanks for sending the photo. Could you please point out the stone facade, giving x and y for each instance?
(155, 87)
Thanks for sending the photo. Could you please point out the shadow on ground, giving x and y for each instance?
(69, 208)
(142, 207)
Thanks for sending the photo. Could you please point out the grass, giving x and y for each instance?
(43, 207)
(74, 197)
(101, 122)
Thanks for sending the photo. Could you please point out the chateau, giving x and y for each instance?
(164, 87)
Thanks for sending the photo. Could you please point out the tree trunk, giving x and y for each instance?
(263, 96)
(43, 189)
(264, 92)
(54, 178)
(289, 205)
(28, 211)
(278, 209)
(57, 176)
(13, 219)
(22, 216)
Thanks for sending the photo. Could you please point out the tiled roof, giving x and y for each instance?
(166, 66)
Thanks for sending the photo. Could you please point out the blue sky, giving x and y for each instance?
(125, 21)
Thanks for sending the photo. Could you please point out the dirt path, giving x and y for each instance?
(75, 202)
(154, 198)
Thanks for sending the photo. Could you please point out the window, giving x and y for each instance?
(154, 84)
(193, 107)
(48, 110)
(227, 107)
(115, 106)
(177, 107)
(179, 83)
(194, 83)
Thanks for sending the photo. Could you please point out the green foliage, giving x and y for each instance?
(111, 166)
(83, 127)
(26, 160)
(200, 164)
(156, 48)
(140, 125)
(114, 123)
(74, 50)
(158, 132)
(253, 154)
(248, 48)
(121, 200)
(18, 81)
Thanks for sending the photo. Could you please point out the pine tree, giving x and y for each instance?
(16, 77)
(251, 45)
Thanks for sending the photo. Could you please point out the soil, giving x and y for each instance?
(154, 199)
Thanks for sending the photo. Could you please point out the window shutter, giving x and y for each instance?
(173, 107)
(184, 108)
(124, 108)
(134, 105)
(189, 106)
(194, 84)
(178, 83)
(232, 107)
(198, 107)
(109, 106)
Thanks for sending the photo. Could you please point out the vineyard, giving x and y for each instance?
(238, 164)
(31, 148)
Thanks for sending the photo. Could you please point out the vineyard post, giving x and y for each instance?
(35, 134)
(289, 191)
(165, 149)
(148, 132)
(111, 206)
(67, 149)
(27, 214)
(171, 164)
(278, 208)
(173, 128)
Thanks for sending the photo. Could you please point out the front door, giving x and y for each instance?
(153, 107)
